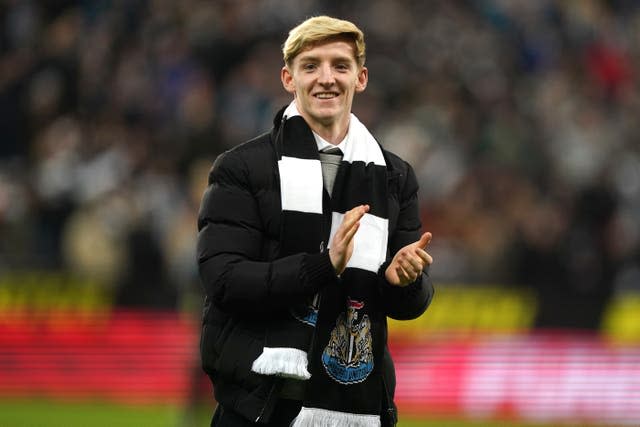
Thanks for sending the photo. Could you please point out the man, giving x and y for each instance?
(304, 250)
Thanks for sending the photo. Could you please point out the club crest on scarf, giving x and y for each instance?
(348, 357)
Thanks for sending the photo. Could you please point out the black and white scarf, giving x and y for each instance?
(336, 342)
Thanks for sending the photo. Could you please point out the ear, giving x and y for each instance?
(287, 80)
(363, 79)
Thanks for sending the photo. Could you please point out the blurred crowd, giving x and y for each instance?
(520, 118)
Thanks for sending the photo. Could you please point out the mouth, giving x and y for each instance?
(326, 95)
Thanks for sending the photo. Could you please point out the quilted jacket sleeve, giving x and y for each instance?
(409, 302)
(235, 272)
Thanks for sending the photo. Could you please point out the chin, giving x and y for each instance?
(327, 119)
(329, 114)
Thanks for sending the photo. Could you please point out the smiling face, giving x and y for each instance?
(323, 79)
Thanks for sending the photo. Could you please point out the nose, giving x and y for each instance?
(326, 76)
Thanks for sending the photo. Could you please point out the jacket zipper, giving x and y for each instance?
(267, 402)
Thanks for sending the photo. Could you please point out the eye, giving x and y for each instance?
(309, 66)
(342, 67)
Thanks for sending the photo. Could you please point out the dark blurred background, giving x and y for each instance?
(520, 118)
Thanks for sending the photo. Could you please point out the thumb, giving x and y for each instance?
(424, 240)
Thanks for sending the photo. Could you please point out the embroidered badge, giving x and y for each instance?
(309, 313)
(348, 357)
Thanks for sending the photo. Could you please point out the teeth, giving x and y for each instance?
(325, 95)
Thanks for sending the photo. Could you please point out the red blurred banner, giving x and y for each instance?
(152, 356)
(121, 356)
(562, 377)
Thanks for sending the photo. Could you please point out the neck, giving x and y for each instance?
(334, 132)
(332, 136)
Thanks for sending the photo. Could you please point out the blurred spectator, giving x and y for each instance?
(564, 254)
(519, 117)
(145, 282)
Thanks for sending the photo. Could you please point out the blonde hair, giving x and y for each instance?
(318, 29)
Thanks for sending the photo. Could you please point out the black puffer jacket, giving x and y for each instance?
(245, 285)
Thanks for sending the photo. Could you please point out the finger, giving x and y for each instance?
(429, 259)
(416, 264)
(402, 275)
(406, 265)
(410, 276)
(354, 215)
(424, 256)
(349, 233)
(359, 211)
(348, 221)
(415, 271)
(359, 208)
(411, 270)
(424, 240)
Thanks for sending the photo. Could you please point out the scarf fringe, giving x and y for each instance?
(315, 417)
(283, 362)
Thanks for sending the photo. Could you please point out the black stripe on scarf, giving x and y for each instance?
(345, 359)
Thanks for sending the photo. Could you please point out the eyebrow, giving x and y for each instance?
(304, 57)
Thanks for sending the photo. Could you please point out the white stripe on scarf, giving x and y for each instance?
(301, 185)
(369, 243)
(301, 190)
